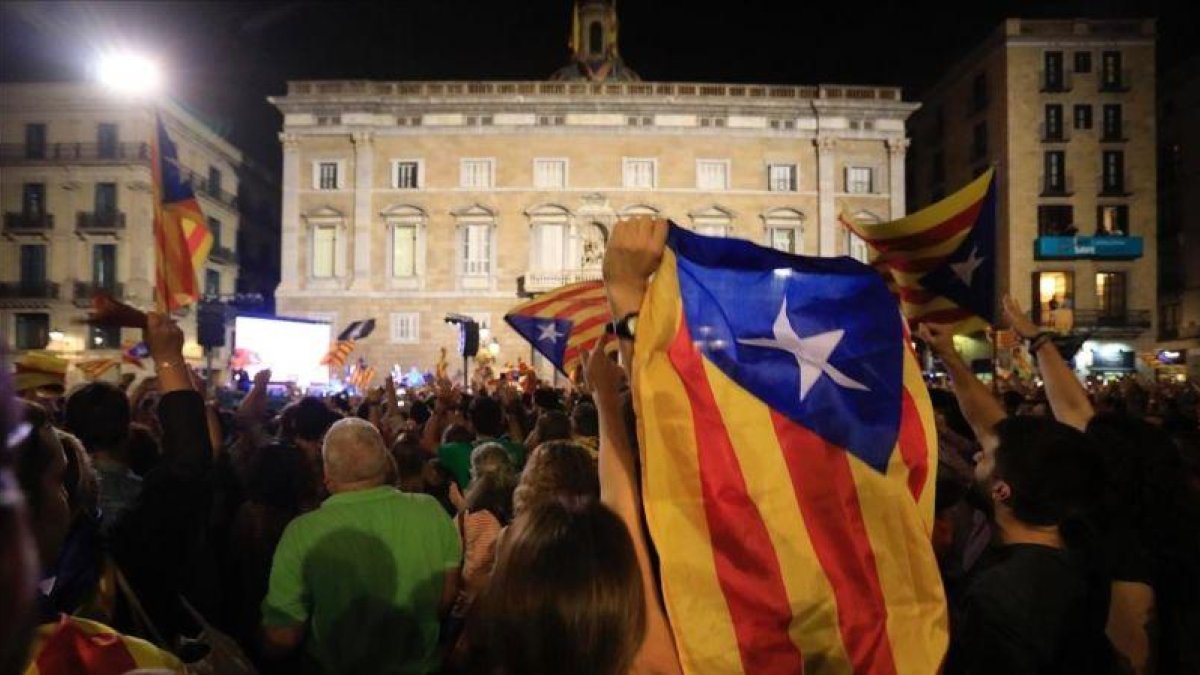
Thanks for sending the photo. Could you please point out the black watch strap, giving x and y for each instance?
(623, 327)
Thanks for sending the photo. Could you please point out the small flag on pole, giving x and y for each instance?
(181, 237)
(562, 323)
(134, 353)
(338, 353)
(361, 378)
(941, 259)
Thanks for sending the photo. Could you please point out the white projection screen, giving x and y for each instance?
(291, 348)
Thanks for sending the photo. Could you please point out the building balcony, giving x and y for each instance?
(1061, 188)
(1050, 134)
(28, 222)
(1088, 248)
(1116, 85)
(99, 221)
(201, 187)
(1113, 189)
(74, 153)
(1188, 332)
(223, 255)
(85, 291)
(542, 281)
(1054, 82)
(1113, 134)
(27, 293)
(1127, 323)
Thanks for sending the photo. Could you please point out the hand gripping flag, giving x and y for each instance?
(181, 238)
(789, 459)
(562, 323)
(942, 259)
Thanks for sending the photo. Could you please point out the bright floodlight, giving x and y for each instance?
(129, 73)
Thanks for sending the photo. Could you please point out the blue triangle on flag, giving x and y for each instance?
(547, 335)
(968, 276)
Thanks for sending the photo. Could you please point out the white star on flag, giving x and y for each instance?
(549, 332)
(811, 353)
(965, 270)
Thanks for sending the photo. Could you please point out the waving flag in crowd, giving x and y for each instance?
(134, 353)
(338, 353)
(789, 458)
(562, 323)
(94, 368)
(942, 259)
(181, 238)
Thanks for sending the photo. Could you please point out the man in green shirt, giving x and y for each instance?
(363, 580)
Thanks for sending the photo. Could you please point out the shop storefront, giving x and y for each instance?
(1171, 365)
(1106, 359)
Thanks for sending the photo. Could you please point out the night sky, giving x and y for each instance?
(222, 59)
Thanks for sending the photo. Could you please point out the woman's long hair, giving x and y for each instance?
(493, 479)
(565, 596)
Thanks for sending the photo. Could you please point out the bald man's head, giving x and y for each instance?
(355, 456)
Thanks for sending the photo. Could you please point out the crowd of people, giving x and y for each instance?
(500, 530)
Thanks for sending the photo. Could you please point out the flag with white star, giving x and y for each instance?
(788, 462)
(564, 322)
(942, 259)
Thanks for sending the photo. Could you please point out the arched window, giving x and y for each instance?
(636, 210)
(855, 246)
(784, 230)
(713, 221)
(596, 38)
(476, 252)
(406, 232)
(327, 244)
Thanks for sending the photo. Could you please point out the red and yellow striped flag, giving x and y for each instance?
(562, 323)
(75, 645)
(94, 368)
(788, 453)
(338, 353)
(181, 237)
(361, 378)
(941, 261)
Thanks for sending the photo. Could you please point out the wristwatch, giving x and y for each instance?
(624, 328)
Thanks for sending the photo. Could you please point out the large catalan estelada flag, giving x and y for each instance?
(789, 458)
(181, 237)
(564, 322)
(74, 645)
(942, 259)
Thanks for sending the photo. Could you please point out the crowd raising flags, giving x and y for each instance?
(942, 259)
(788, 453)
(563, 323)
(181, 238)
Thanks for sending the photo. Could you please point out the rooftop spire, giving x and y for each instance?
(593, 44)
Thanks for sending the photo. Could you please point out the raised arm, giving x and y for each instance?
(981, 409)
(632, 256)
(1068, 399)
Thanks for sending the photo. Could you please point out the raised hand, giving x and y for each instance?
(1017, 319)
(634, 252)
(939, 338)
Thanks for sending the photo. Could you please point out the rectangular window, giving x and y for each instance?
(1056, 220)
(33, 265)
(1111, 116)
(477, 254)
(1114, 172)
(33, 200)
(32, 330)
(106, 141)
(324, 250)
(979, 141)
(104, 337)
(781, 178)
(784, 239)
(859, 180)
(550, 246)
(214, 227)
(404, 250)
(106, 198)
(1053, 126)
(406, 328)
(104, 266)
(407, 175)
(639, 174)
(214, 179)
(35, 141)
(1110, 294)
(328, 177)
(1054, 177)
(212, 283)
(1083, 62)
(1110, 71)
(712, 174)
(476, 174)
(1053, 298)
(1053, 74)
(1083, 117)
(979, 93)
(1112, 220)
(550, 174)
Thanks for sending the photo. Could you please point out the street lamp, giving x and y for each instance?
(129, 73)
